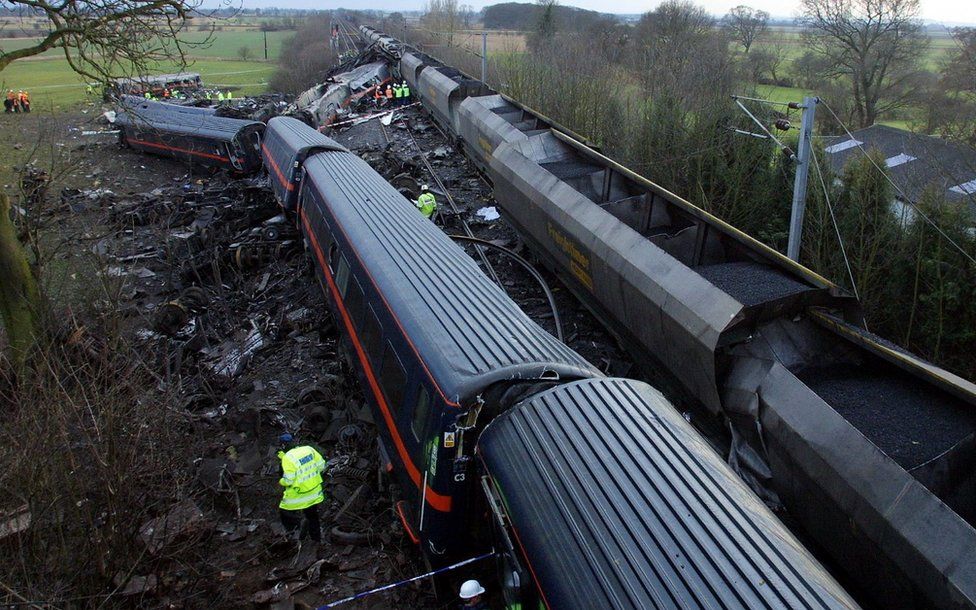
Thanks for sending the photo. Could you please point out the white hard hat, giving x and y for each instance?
(424, 187)
(471, 588)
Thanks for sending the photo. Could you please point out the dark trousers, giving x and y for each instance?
(305, 522)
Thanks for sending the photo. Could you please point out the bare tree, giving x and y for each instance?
(103, 39)
(765, 63)
(745, 25)
(306, 57)
(959, 71)
(674, 22)
(874, 44)
(443, 17)
(100, 39)
(545, 28)
(245, 53)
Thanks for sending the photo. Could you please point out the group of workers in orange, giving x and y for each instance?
(397, 94)
(18, 101)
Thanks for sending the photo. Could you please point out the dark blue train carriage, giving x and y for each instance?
(287, 143)
(440, 349)
(197, 138)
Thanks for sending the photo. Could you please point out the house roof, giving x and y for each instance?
(914, 161)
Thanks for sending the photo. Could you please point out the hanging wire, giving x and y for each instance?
(760, 100)
(904, 197)
(763, 127)
(833, 220)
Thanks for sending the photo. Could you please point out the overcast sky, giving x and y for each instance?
(949, 11)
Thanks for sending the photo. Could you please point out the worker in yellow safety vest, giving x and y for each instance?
(301, 476)
(426, 203)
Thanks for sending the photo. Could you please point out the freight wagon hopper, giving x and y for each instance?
(385, 43)
(411, 65)
(870, 448)
(442, 89)
(486, 121)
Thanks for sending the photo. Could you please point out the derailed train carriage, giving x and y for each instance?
(195, 136)
(869, 447)
(501, 436)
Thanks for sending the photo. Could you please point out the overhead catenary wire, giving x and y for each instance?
(897, 188)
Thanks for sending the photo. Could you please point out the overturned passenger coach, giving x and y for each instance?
(198, 138)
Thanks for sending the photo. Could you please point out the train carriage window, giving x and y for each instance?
(354, 303)
(420, 414)
(392, 378)
(372, 336)
(342, 275)
(333, 256)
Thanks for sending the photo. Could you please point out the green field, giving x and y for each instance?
(940, 43)
(224, 44)
(53, 85)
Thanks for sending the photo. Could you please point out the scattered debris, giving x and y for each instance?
(14, 521)
(135, 585)
(230, 358)
(488, 214)
(182, 520)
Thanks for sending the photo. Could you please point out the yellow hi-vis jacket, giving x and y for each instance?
(427, 204)
(301, 476)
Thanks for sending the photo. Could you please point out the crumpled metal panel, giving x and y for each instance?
(631, 283)
(366, 75)
(640, 509)
(483, 130)
(325, 101)
(908, 548)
